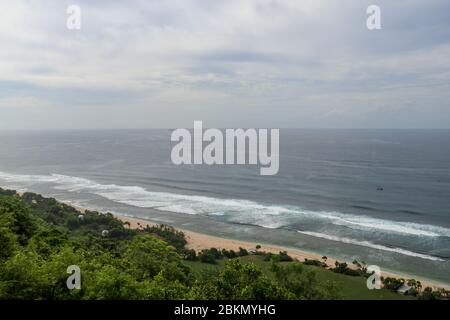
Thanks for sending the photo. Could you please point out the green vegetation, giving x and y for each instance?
(346, 287)
(41, 237)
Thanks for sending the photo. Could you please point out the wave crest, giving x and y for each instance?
(243, 211)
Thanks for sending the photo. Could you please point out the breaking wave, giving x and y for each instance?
(370, 245)
(238, 210)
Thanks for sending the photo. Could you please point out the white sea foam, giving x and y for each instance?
(369, 224)
(370, 245)
(243, 211)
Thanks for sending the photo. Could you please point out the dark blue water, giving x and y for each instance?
(326, 198)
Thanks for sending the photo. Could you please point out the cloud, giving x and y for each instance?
(229, 63)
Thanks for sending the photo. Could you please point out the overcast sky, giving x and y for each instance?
(230, 63)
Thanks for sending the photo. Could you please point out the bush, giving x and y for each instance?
(302, 282)
(238, 281)
(7, 192)
(393, 284)
(189, 254)
(284, 257)
(242, 252)
(230, 254)
(169, 234)
(314, 262)
(8, 243)
(342, 267)
(146, 256)
(206, 256)
(352, 272)
(16, 216)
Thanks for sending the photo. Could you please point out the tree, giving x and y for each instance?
(189, 254)
(302, 282)
(20, 277)
(162, 289)
(417, 285)
(393, 284)
(147, 256)
(242, 252)
(47, 240)
(8, 243)
(15, 215)
(111, 283)
(207, 256)
(243, 281)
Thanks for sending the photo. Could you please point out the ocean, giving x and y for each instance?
(378, 196)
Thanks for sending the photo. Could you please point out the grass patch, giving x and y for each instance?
(353, 288)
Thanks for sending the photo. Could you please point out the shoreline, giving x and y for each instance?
(199, 241)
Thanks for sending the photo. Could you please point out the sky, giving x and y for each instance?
(229, 63)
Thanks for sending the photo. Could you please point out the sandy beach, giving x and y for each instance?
(199, 241)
